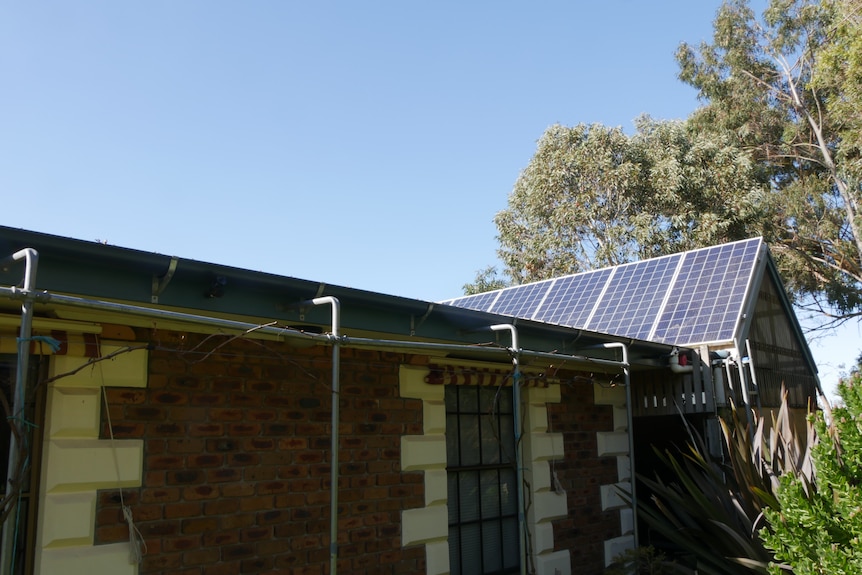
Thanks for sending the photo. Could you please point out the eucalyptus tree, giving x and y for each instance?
(774, 150)
(787, 88)
(593, 196)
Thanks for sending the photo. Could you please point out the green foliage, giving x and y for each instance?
(593, 196)
(642, 561)
(711, 510)
(488, 279)
(780, 87)
(816, 527)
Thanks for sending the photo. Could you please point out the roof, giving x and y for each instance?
(693, 298)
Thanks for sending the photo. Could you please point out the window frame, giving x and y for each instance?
(481, 476)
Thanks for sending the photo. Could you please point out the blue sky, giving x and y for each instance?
(366, 144)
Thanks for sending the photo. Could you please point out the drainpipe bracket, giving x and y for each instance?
(161, 282)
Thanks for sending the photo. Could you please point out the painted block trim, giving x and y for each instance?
(76, 463)
(88, 464)
(424, 525)
(102, 560)
(617, 546)
(67, 519)
(616, 443)
(429, 525)
(558, 563)
(124, 370)
(541, 447)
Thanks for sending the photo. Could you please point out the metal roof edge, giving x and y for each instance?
(97, 270)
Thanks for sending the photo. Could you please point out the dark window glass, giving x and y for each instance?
(480, 452)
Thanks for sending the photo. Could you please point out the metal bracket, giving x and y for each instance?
(414, 325)
(160, 283)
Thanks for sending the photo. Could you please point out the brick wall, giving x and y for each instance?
(581, 473)
(236, 473)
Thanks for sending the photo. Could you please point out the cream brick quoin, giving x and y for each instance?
(429, 525)
(76, 464)
(616, 443)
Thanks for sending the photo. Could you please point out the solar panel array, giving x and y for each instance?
(684, 299)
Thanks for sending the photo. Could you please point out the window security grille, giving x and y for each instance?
(482, 496)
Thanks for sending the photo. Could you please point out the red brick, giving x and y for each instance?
(272, 487)
(168, 398)
(228, 536)
(237, 490)
(201, 556)
(222, 474)
(181, 543)
(258, 443)
(167, 429)
(231, 568)
(112, 534)
(255, 534)
(221, 507)
(235, 429)
(305, 484)
(161, 563)
(240, 459)
(125, 396)
(256, 503)
(185, 445)
(179, 510)
(206, 460)
(154, 478)
(256, 565)
(199, 492)
(165, 462)
(209, 399)
(226, 414)
(184, 477)
(290, 500)
(141, 413)
(293, 471)
(160, 495)
(199, 525)
(252, 474)
(158, 528)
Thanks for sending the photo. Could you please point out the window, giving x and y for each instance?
(482, 492)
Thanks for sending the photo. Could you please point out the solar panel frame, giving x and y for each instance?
(706, 301)
(687, 298)
(634, 295)
(479, 302)
(562, 310)
(521, 301)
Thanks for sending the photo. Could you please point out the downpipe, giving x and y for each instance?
(31, 263)
(336, 400)
(519, 467)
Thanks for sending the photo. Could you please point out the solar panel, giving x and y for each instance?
(521, 301)
(686, 299)
(479, 302)
(706, 300)
(633, 297)
(572, 298)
